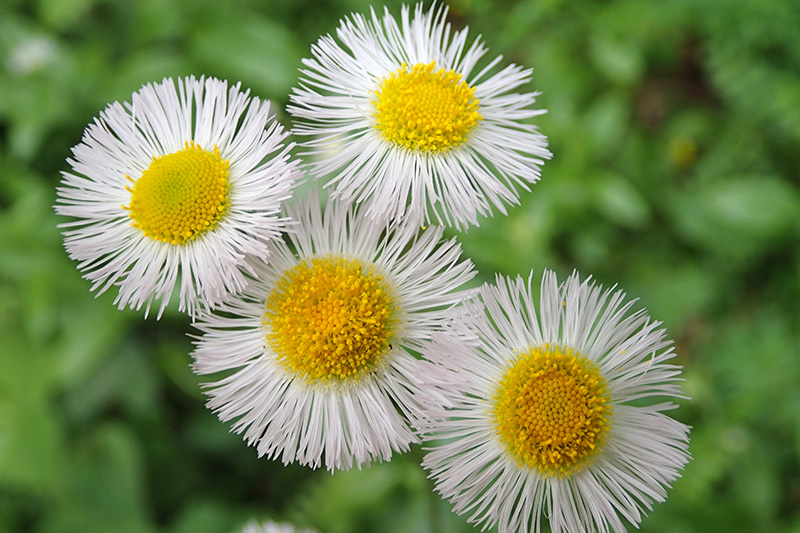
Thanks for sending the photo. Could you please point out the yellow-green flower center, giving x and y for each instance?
(181, 195)
(425, 109)
(551, 410)
(330, 318)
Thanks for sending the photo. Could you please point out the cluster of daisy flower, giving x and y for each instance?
(340, 322)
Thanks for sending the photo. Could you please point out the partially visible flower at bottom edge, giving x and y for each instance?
(273, 527)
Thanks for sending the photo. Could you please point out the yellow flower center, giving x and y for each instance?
(425, 109)
(330, 318)
(181, 195)
(551, 410)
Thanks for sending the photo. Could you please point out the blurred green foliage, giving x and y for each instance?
(675, 128)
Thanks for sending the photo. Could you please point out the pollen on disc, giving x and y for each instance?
(181, 195)
(330, 318)
(551, 410)
(425, 108)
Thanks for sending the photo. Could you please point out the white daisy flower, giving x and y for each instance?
(316, 349)
(554, 414)
(174, 188)
(404, 124)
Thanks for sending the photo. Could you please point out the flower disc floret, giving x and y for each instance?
(551, 410)
(330, 318)
(181, 195)
(425, 108)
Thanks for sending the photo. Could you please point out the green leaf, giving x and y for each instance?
(259, 52)
(739, 216)
(620, 202)
(106, 486)
(619, 60)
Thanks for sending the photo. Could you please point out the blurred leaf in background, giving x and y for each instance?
(674, 128)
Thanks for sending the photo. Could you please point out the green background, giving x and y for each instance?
(676, 131)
